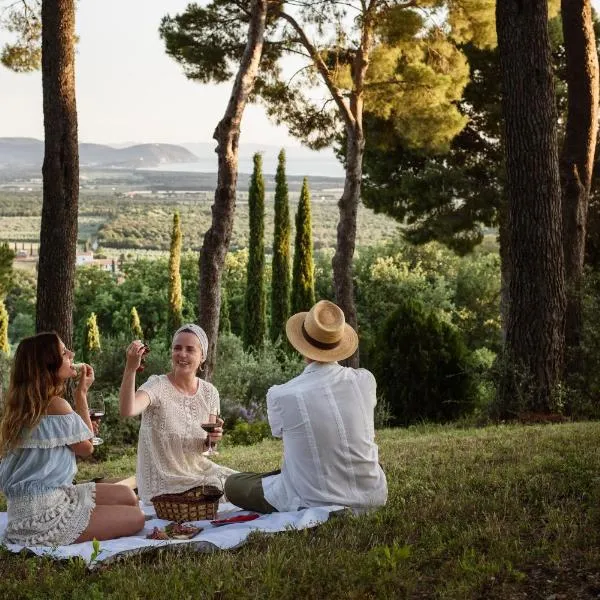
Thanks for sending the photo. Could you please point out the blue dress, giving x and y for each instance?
(44, 507)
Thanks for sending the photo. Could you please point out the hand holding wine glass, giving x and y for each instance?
(97, 408)
(214, 429)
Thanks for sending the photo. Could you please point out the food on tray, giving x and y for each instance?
(157, 534)
(174, 531)
(180, 531)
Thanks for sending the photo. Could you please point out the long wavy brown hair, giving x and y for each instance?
(33, 383)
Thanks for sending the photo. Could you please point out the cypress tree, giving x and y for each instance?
(255, 317)
(224, 318)
(303, 278)
(91, 342)
(136, 326)
(282, 262)
(174, 315)
(4, 344)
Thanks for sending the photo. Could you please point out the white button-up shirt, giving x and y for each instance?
(325, 417)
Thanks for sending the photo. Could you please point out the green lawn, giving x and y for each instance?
(494, 513)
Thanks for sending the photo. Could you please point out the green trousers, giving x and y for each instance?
(246, 491)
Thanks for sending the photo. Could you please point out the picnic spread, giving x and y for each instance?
(229, 531)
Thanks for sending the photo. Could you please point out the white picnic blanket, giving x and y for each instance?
(210, 539)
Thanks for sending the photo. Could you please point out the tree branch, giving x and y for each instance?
(322, 68)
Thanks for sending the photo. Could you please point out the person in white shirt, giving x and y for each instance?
(325, 417)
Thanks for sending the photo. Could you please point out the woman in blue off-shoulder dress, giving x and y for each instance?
(40, 436)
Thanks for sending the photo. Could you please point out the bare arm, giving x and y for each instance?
(132, 403)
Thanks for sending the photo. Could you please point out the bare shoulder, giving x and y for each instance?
(58, 406)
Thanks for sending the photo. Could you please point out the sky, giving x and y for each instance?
(128, 89)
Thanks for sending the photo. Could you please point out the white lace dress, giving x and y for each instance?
(171, 440)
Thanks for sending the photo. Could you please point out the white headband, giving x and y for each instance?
(199, 333)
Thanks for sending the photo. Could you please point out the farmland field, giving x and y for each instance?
(127, 221)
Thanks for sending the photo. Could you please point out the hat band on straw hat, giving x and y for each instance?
(317, 343)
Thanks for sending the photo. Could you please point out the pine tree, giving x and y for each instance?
(136, 326)
(280, 280)
(303, 278)
(255, 317)
(4, 344)
(174, 315)
(91, 342)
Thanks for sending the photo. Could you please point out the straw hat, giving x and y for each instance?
(322, 333)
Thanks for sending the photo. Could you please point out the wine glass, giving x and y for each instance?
(96, 408)
(209, 426)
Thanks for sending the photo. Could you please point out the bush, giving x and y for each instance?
(243, 378)
(422, 366)
(246, 434)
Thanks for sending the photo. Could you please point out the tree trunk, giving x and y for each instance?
(577, 159)
(227, 133)
(346, 230)
(534, 345)
(58, 233)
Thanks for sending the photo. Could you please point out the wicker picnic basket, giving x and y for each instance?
(195, 504)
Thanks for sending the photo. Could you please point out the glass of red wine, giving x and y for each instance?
(96, 409)
(210, 427)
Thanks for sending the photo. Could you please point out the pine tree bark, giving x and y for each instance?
(58, 233)
(227, 132)
(346, 230)
(351, 111)
(534, 344)
(577, 159)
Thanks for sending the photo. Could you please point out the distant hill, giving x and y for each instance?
(29, 152)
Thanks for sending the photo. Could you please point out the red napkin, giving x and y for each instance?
(236, 519)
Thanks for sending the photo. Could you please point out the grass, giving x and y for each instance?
(504, 512)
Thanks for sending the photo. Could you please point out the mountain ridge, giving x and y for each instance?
(29, 152)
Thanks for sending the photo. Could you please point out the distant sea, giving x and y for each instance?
(303, 167)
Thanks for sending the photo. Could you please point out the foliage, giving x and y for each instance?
(117, 430)
(6, 269)
(4, 344)
(174, 313)
(281, 263)
(245, 377)
(584, 389)
(224, 318)
(247, 434)
(421, 365)
(20, 304)
(23, 19)
(91, 344)
(255, 306)
(303, 274)
(437, 192)
(136, 326)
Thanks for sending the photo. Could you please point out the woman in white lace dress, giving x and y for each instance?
(40, 435)
(173, 408)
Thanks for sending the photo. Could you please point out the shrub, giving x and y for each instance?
(243, 378)
(246, 434)
(422, 366)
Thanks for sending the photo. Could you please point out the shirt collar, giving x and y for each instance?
(316, 366)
